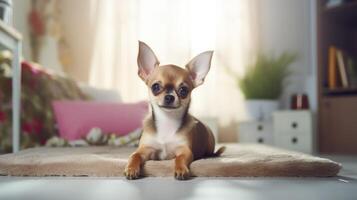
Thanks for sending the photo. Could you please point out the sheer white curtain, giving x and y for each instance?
(177, 30)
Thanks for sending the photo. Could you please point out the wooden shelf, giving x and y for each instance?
(340, 91)
(337, 26)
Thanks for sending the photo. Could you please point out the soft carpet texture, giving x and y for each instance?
(238, 160)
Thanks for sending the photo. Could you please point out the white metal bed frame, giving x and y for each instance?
(12, 40)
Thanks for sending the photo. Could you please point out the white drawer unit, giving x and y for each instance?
(256, 132)
(294, 130)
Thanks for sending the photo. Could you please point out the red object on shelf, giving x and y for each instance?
(299, 102)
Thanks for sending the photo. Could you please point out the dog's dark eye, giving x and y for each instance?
(155, 88)
(183, 92)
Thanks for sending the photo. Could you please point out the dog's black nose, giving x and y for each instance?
(169, 99)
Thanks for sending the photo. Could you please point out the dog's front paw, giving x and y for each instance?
(182, 172)
(131, 172)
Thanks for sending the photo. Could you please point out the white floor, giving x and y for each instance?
(341, 187)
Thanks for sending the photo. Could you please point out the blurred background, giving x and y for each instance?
(283, 71)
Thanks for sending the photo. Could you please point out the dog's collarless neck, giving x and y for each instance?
(170, 121)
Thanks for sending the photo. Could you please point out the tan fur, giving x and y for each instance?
(170, 75)
(199, 138)
(171, 132)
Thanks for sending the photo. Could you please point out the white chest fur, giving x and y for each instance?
(166, 140)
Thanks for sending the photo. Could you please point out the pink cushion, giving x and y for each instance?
(76, 118)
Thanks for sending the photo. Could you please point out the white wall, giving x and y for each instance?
(22, 9)
(286, 26)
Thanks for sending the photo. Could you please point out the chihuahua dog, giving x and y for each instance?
(169, 131)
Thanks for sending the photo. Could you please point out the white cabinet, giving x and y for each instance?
(294, 130)
(256, 132)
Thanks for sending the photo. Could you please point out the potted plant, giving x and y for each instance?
(262, 84)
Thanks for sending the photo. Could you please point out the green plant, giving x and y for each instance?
(264, 78)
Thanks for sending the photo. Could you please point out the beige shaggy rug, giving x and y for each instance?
(238, 160)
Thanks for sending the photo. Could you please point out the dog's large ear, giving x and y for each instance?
(147, 61)
(199, 67)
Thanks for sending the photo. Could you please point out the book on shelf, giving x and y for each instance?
(342, 68)
(333, 3)
(342, 71)
(332, 70)
(352, 72)
(337, 3)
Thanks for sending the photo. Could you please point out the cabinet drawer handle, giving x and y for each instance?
(260, 140)
(294, 125)
(294, 140)
(260, 127)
